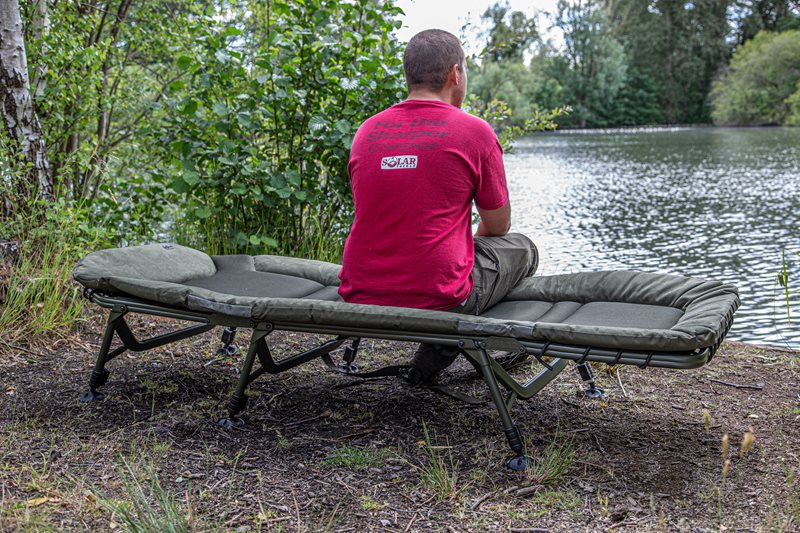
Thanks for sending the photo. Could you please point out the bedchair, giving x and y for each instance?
(611, 317)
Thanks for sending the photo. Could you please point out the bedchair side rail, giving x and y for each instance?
(577, 353)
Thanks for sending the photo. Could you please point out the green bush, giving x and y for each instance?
(761, 84)
(256, 139)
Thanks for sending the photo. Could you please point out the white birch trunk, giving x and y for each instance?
(16, 104)
(41, 28)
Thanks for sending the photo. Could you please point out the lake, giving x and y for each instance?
(715, 203)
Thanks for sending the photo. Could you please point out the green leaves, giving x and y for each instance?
(220, 108)
(762, 84)
(184, 62)
(262, 121)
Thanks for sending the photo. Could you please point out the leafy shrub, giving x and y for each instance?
(256, 140)
(759, 85)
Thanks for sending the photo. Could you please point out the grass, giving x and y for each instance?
(148, 507)
(37, 293)
(438, 471)
(553, 464)
(40, 296)
(356, 458)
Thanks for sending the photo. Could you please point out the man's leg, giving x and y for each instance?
(500, 263)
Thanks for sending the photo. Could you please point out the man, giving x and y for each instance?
(415, 170)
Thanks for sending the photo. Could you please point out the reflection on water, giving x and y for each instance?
(715, 203)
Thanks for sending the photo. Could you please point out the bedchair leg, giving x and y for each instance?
(99, 375)
(349, 356)
(520, 461)
(238, 401)
(228, 348)
(588, 377)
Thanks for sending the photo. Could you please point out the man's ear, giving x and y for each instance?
(456, 75)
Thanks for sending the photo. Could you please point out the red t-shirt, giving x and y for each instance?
(415, 170)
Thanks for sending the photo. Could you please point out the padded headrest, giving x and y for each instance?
(170, 263)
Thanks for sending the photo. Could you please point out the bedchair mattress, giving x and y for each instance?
(622, 310)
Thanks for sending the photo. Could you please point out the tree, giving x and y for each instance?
(22, 126)
(593, 67)
(752, 16)
(254, 140)
(680, 45)
(761, 85)
(511, 34)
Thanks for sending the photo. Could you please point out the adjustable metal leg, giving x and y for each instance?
(238, 401)
(228, 348)
(99, 375)
(587, 376)
(520, 461)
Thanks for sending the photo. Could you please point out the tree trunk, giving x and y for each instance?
(41, 27)
(16, 104)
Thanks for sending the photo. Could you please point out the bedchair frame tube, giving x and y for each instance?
(474, 347)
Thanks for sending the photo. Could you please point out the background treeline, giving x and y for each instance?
(636, 62)
(226, 124)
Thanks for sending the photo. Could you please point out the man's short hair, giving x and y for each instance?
(428, 58)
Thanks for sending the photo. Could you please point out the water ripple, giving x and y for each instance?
(718, 203)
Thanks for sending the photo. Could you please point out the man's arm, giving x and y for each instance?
(494, 222)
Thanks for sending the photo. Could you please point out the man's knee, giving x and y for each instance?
(523, 248)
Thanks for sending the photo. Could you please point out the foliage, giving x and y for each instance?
(256, 139)
(102, 67)
(499, 115)
(761, 85)
(511, 33)
(593, 66)
(39, 295)
(752, 16)
(679, 45)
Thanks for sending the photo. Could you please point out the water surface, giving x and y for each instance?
(717, 203)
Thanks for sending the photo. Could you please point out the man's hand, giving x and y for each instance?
(494, 222)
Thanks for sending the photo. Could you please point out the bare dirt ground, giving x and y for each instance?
(319, 453)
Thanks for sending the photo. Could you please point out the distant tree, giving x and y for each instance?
(680, 45)
(592, 69)
(752, 16)
(637, 102)
(761, 84)
(510, 35)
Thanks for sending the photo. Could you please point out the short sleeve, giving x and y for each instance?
(491, 191)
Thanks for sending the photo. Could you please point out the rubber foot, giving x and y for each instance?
(520, 463)
(347, 368)
(229, 351)
(596, 393)
(230, 422)
(92, 396)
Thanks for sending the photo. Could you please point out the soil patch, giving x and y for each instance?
(321, 451)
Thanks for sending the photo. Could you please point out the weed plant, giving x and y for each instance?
(148, 506)
(438, 471)
(37, 294)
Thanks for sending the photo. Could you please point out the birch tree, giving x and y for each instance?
(16, 108)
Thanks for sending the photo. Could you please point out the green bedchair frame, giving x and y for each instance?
(612, 317)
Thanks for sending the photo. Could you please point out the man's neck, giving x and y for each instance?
(423, 94)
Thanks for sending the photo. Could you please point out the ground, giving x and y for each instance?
(319, 452)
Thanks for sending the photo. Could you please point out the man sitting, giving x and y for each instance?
(415, 171)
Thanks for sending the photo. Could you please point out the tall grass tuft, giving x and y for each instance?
(38, 295)
(438, 472)
(148, 507)
(554, 463)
